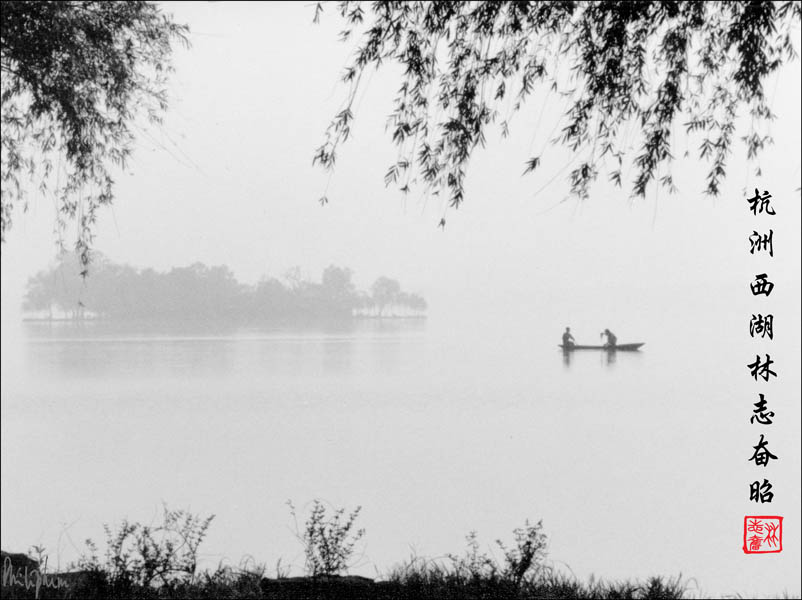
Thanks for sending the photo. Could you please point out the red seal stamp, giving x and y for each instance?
(763, 534)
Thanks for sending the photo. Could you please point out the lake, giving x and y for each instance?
(636, 462)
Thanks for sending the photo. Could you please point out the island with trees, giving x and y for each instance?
(121, 292)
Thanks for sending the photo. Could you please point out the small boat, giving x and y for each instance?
(621, 347)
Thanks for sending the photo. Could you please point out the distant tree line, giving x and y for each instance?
(115, 291)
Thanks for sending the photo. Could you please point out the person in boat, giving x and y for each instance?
(568, 339)
(611, 339)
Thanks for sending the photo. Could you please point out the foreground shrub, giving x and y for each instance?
(144, 562)
(328, 540)
(149, 556)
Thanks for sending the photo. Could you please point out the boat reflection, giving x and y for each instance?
(607, 356)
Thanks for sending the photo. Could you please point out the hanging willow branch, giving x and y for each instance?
(470, 66)
(75, 77)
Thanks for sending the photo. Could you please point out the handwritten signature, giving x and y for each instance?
(33, 578)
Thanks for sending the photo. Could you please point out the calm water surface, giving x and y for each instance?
(635, 462)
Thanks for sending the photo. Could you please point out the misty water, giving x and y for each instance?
(436, 427)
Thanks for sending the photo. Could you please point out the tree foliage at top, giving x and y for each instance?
(470, 66)
(76, 75)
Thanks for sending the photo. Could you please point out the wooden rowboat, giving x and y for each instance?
(621, 347)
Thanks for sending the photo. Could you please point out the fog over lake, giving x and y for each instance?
(469, 419)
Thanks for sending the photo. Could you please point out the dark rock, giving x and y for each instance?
(17, 560)
(23, 579)
(329, 587)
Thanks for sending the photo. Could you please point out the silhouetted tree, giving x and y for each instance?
(39, 293)
(468, 65)
(338, 289)
(385, 291)
(199, 291)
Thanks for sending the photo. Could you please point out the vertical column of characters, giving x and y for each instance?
(762, 533)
